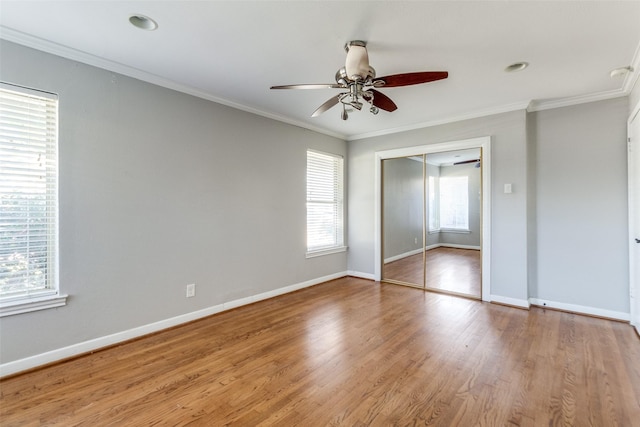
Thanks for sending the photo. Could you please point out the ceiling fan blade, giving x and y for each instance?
(311, 86)
(464, 162)
(382, 101)
(324, 107)
(407, 79)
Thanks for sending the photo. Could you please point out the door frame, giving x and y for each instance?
(634, 232)
(483, 143)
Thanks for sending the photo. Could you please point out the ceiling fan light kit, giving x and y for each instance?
(359, 78)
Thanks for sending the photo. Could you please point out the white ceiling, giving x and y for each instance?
(233, 51)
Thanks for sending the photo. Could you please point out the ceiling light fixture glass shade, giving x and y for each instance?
(143, 22)
(357, 62)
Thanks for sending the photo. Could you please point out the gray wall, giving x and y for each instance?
(582, 252)
(159, 189)
(509, 226)
(561, 235)
(402, 201)
(403, 193)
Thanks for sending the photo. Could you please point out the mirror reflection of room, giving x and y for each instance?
(402, 217)
(431, 221)
(453, 206)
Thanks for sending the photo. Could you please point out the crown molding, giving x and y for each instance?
(631, 79)
(471, 115)
(18, 37)
(37, 43)
(548, 104)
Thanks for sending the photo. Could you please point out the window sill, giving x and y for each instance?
(313, 254)
(28, 304)
(455, 230)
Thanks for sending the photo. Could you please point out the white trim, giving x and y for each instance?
(31, 362)
(27, 304)
(455, 230)
(428, 248)
(322, 252)
(580, 309)
(116, 67)
(633, 170)
(361, 275)
(532, 105)
(540, 105)
(403, 255)
(483, 142)
(467, 116)
(456, 246)
(514, 302)
(631, 79)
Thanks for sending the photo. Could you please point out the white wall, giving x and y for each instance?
(159, 189)
(509, 226)
(581, 184)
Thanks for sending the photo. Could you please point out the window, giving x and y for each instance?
(454, 202)
(325, 211)
(28, 200)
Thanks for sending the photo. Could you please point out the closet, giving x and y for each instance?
(431, 221)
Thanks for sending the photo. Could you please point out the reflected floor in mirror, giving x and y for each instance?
(448, 269)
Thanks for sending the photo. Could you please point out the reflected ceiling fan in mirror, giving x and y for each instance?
(359, 78)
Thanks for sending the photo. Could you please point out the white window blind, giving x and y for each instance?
(454, 202)
(325, 229)
(28, 193)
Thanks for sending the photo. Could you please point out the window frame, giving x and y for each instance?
(337, 202)
(49, 296)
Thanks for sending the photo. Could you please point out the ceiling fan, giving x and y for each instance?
(359, 78)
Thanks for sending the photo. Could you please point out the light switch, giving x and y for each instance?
(507, 189)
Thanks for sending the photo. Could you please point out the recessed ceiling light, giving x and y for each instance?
(143, 22)
(517, 66)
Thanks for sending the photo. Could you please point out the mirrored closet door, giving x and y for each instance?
(431, 221)
(403, 220)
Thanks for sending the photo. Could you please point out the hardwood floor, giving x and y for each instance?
(448, 269)
(349, 352)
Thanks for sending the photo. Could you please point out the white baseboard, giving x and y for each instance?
(515, 302)
(31, 362)
(403, 255)
(452, 245)
(361, 275)
(428, 248)
(581, 309)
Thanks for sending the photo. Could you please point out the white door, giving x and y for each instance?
(634, 216)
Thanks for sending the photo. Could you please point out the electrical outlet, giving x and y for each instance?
(415, 240)
(191, 290)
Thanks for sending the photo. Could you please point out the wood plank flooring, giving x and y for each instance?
(349, 352)
(448, 269)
